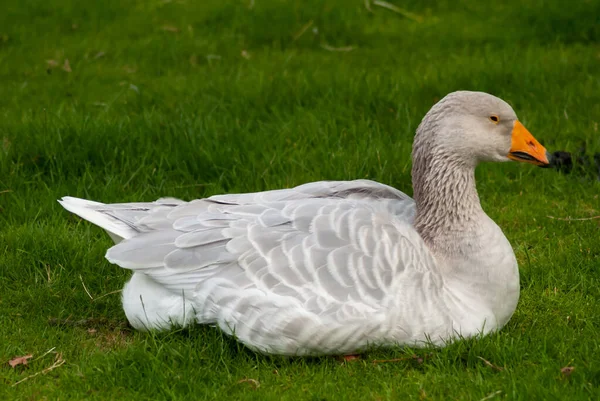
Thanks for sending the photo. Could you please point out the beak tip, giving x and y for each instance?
(548, 162)
(526, 148)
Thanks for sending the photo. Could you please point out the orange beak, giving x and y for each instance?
(525, 148)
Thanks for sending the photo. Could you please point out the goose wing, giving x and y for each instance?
(313, 269)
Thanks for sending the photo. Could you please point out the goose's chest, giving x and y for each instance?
(483, 281)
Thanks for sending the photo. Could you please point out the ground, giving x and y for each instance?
(133, 100)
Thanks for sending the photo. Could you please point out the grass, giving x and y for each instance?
(190, 99)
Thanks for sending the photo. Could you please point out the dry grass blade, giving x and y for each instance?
(302, 30)
(390, 360)
(107, 294)
(368, 6)
(44, 354)
(489, 396)
(573, 219)
(48, 275)
(58, 361)
(170, 28)
(491, 365)
(396, 9)
(67, 66)
(337, 49)
(253, 382)
(408, 358)
(85, 288)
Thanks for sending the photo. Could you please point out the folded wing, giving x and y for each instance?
(319, 268)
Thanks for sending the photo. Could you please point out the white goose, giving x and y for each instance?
(334, 267)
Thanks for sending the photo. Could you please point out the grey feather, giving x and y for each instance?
(144, 251)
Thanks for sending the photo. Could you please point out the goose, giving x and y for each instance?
(334, 267)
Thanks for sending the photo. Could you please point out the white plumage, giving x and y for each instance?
(326, 267)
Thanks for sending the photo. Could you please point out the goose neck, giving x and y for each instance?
(448, 207)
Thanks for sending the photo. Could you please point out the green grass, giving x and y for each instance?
(161, 101)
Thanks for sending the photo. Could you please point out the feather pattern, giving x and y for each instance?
(329, 267)
(327, 254)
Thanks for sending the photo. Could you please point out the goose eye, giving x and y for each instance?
(495, 119)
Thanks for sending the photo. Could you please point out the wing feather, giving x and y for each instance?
(306, 269)
(145, 251)
(199, 238)
(186, 259)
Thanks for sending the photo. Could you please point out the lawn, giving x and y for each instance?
(134, 100)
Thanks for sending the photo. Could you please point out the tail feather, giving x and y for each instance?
(95, 212)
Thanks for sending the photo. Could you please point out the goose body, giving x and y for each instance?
(333, 267)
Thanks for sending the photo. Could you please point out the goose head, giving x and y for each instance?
(470, 127)
(460, 131)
